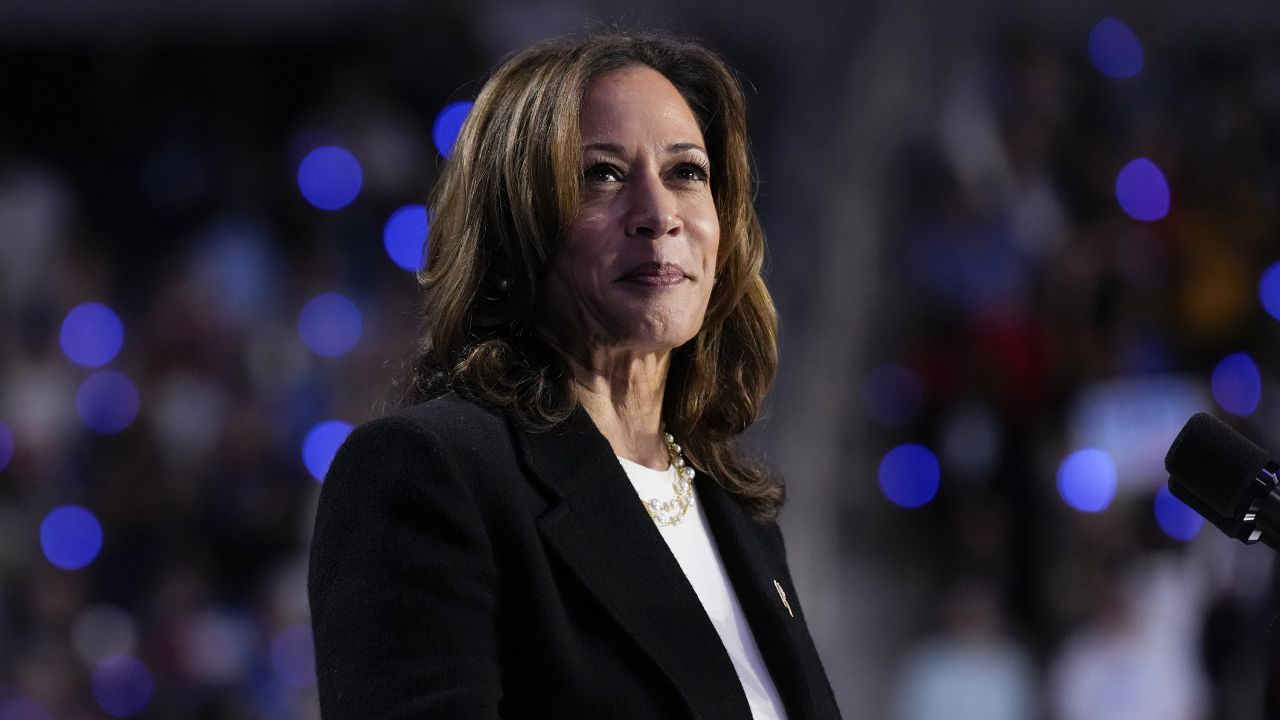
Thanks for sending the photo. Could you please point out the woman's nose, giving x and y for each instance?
(654, 209)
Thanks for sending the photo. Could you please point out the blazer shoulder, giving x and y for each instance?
(451, 415)
(447, 431)
(450, 421)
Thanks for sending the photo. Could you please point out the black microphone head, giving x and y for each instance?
(1215, 464)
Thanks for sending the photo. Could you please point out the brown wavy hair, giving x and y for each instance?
(502, 206)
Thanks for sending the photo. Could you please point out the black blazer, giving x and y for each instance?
(462, 568)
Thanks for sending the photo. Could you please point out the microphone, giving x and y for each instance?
(1227, 479)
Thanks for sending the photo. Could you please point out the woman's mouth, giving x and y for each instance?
(654, 274)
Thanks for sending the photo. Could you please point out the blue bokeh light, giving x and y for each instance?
(1142, 191)
(71, 537)
(444, 131)
(1087, 480)
(239, 262)
(321, 444)
(107, 402)
(891, 395)
(405, 237)
(909, 475)
(329, 177)
(1237, 384)
(1176, 519)
(330, 324)
(122, 685)
(293, 656)
(92, 335)
(23, 708)
(1114, 49)
(6, 446)
(1269, 290)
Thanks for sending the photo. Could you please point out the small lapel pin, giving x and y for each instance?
(782, 594)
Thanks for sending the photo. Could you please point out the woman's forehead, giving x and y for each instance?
(634, 102)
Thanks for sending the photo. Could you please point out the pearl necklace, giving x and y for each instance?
(671, 512)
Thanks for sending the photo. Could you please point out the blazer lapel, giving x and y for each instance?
(755, 560)
(603, 534)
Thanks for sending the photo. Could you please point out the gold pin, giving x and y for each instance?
(783, 595)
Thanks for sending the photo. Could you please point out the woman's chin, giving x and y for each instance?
(655, 341)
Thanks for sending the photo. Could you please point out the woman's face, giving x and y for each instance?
(636, 268)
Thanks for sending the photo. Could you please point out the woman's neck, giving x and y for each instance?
(623, 396)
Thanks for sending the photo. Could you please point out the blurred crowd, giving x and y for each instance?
(1034, 317)
(161, 182)
(1024, 315)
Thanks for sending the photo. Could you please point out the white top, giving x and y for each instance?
(691, 543)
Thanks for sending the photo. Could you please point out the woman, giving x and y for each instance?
(557, 524)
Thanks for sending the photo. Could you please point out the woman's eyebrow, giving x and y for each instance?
(617, 149)
(681, 147)
(614, 148)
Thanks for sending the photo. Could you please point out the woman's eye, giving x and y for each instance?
(693, 172)
(602, 172)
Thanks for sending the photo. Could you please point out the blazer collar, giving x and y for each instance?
(756, 564)
(603, 534)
